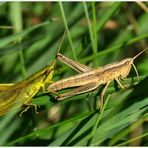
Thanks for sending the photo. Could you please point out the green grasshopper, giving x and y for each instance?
(23, 91)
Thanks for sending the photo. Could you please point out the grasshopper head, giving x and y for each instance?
(131, 60)
(49, 70)
(128, 62)
(125, 66)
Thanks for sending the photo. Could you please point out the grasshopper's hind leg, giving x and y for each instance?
(73, 64)
(79, 90)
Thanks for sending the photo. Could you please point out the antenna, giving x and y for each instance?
(53, 63)
(140, 53)
(61, 41)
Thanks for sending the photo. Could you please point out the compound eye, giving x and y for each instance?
(46, 72)
(127, 62)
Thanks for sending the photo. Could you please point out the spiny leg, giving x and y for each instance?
(102, 95)
(79, 90)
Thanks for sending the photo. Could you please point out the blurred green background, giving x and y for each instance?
(97, 33)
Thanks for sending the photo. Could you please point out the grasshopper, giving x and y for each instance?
(90, 79)
(23, 91)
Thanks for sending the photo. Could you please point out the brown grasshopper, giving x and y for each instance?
(91, 78)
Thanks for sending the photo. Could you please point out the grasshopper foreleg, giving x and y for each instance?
(119, 83)
(54, 92)
(28, 106)
(24, 110)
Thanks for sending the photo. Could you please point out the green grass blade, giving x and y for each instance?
(97, 121)
(11, 38)
(134, 139)
(67, 30)
(90, 31)
(17, 22)
(116, 47)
